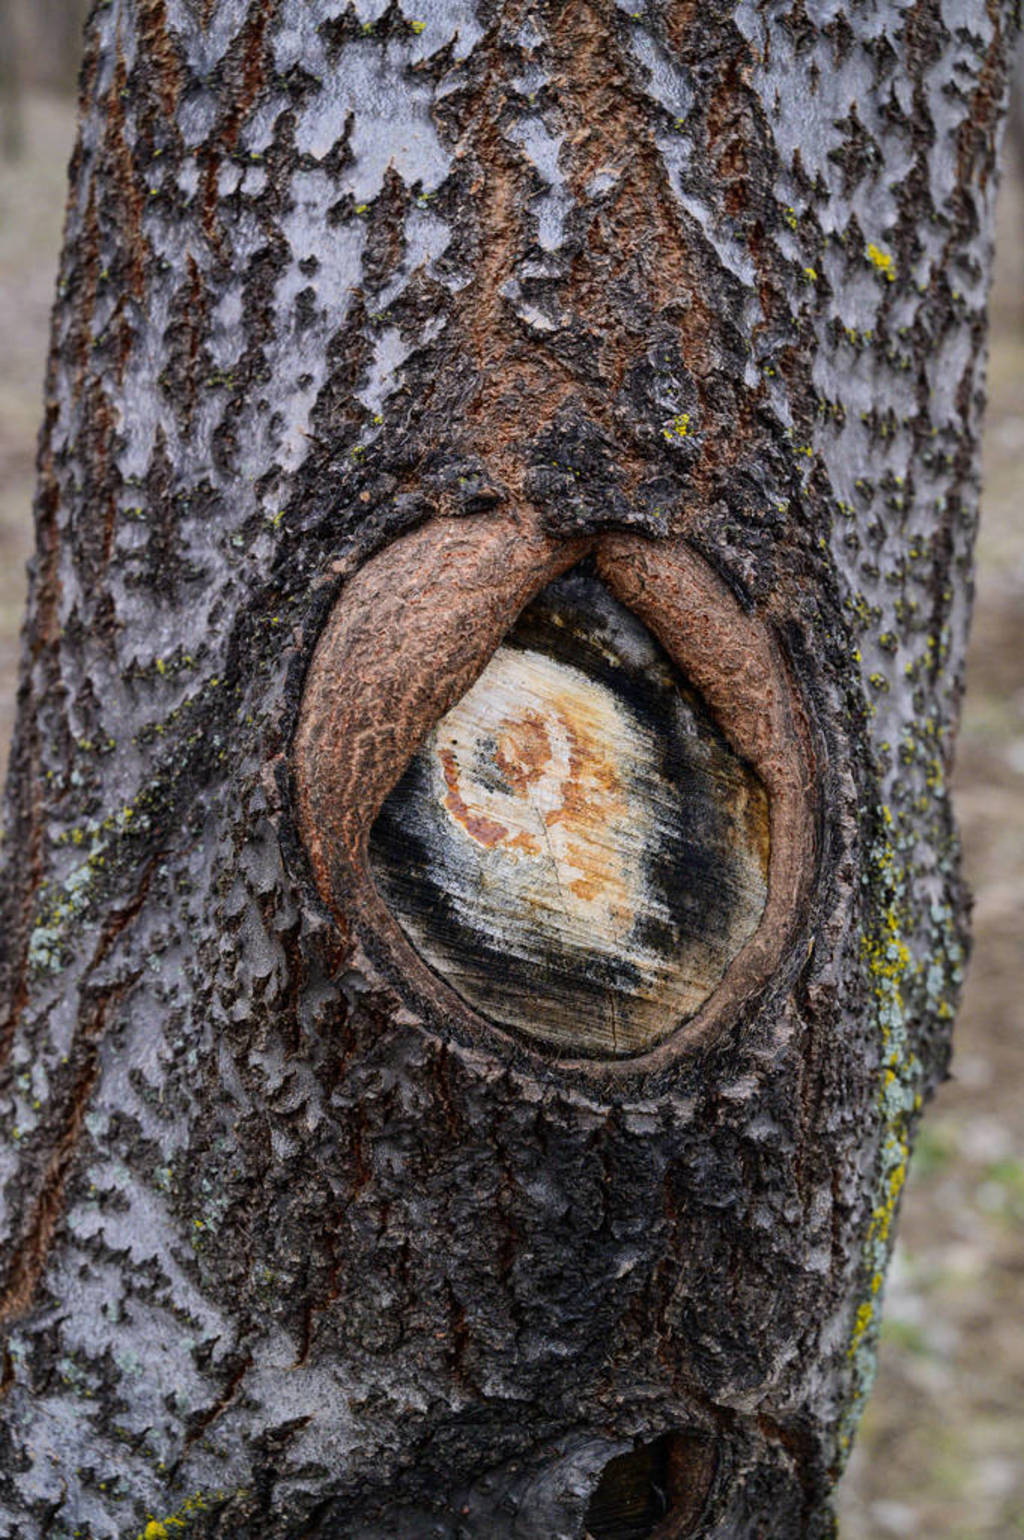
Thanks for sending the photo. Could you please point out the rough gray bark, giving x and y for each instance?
(289, 1253)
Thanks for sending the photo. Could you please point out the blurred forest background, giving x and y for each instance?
(941, 1452)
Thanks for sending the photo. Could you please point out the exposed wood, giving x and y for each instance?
(575, 848)
(655, 1492)
(416, 629)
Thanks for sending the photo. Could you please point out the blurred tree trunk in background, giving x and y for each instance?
(40, 48)
(10, 85)
(55, 30)
(41, 42)
(1017, 104)
(287, 1251)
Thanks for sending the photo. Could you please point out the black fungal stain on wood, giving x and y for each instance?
(632, 1497)
(655, 1492)
(575, 848)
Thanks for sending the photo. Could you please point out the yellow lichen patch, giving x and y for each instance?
(162, 1529)
(886, 953)
(882, 260)
(865, 1316)
(884, 1214)
(679, 427)
(173, 1524)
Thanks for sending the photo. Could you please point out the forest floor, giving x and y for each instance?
(941, 1451)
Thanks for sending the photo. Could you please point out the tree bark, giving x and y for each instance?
(302, 1240)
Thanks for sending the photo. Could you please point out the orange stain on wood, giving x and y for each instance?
(484, 830)
(524, 751)
(549, 766)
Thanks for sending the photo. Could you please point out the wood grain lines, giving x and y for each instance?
(575, 848)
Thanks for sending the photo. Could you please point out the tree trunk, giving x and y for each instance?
(11, 126)
(50, 34)
(1017, 102)
(426, 391)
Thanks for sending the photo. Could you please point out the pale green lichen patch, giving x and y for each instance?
(887, 959)
(907, 982)
(60, 904)
(58, 908)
